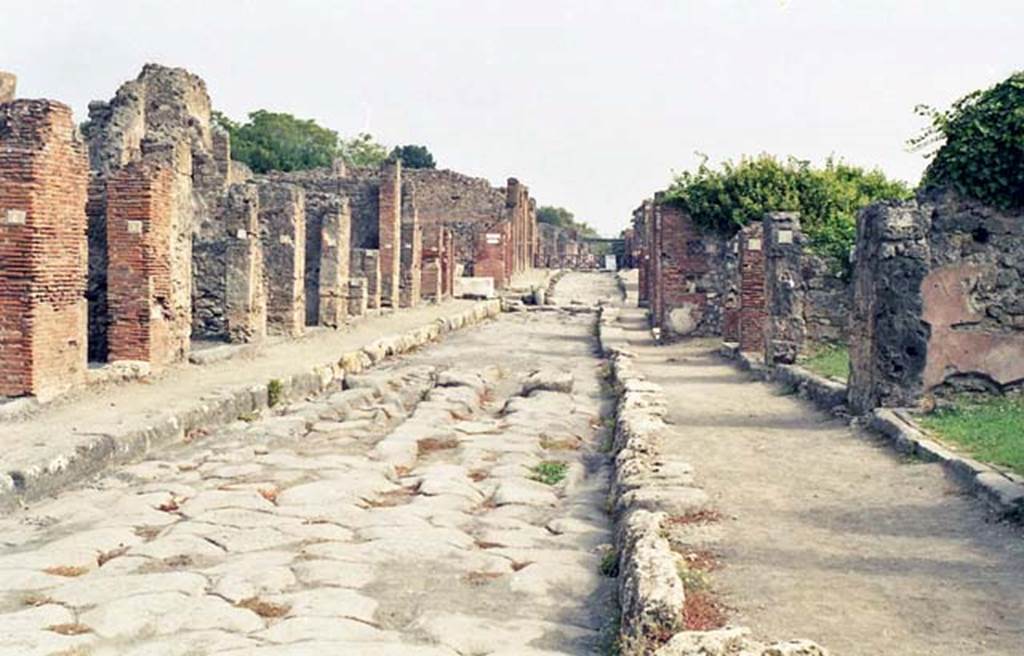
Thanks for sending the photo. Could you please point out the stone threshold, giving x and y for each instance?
(85, 457)
(1002, 491)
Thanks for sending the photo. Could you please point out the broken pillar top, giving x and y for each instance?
(8, 85)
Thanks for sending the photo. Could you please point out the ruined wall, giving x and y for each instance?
(365, 264)
(431, 272)
(731, 301)
(688, 278)
(163, 118)
(411, 260)
(150, 307)
(283, 233)
(43, 191)
(328, 221)
(938, 302)
(245, 292)
(786, 328)
(491, 254)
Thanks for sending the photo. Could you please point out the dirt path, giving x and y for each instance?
(826, 534)
(400, 516)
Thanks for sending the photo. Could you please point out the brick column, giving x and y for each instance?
(145, 322)
(752, 310)
(785, 329)
(491, 254)
(411, 254)
(389, 232)
(283, 228)
(43, 191)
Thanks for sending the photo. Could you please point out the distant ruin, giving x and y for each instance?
(129, 241)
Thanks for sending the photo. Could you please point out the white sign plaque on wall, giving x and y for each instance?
(785, 236)
(754, 245)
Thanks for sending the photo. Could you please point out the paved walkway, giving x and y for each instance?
(825, 533)
(400, 516)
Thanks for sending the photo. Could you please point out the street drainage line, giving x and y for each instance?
(647, 490)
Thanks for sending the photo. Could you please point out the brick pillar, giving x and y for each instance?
(145, 321)
(245, 292)
(491, 254)
(753, 313)
(365, 264)
(412, 246)
(283, 229)
(389, 232)
(785, 329)
(43, 191)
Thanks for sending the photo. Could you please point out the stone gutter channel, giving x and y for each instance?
(218, 409)
(1002, 491)
(647, 492)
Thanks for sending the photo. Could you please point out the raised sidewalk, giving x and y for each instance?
(66, 441)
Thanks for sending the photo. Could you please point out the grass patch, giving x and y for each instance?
(550, 472)
(275, 392)
(988, 428)
(610, 563)
(829, 360)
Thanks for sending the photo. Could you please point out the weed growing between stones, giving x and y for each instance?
(275, 392)
(610, 564)
(550, 472)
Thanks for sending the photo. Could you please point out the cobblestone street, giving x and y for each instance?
(451, 501)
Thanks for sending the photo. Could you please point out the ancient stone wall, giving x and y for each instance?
(431, 274)
(245, 292)
(731, 293)
(43, 261)
(365, 264)
(938, 301)
(786, 328)
(283, 233)
(150, 308)
(688, 278)
(328, 221)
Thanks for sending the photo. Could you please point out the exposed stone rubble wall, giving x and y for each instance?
(245, 291)
(431, 268)
(283, 230)
(365, 264)
(731, 301)
(785, 330)
(43, 259)
(938, 301)
(357, 298)
(559, 248)
(327, 256)
(647, 490)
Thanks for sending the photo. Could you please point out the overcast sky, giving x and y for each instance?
(592, 104)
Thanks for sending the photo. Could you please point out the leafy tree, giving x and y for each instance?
(981, 154)
(363, 151)
(563, 218)
(272, 141)
(827, 198)
(414, 157)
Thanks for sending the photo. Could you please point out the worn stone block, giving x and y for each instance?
(283, 229)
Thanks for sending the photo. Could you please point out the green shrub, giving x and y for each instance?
(981, 155)
(550, 472)
(275, 392)
(725, 199)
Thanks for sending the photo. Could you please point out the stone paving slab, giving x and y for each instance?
(77, 436)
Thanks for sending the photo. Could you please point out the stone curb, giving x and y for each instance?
(1003, 492)
(217, 409)
(646, 491)
(823, 392)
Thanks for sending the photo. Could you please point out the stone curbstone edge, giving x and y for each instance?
(217, 409)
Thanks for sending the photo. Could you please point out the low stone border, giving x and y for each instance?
(218, 409)
(1002, 491)
(646, 491)
(825, 393)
